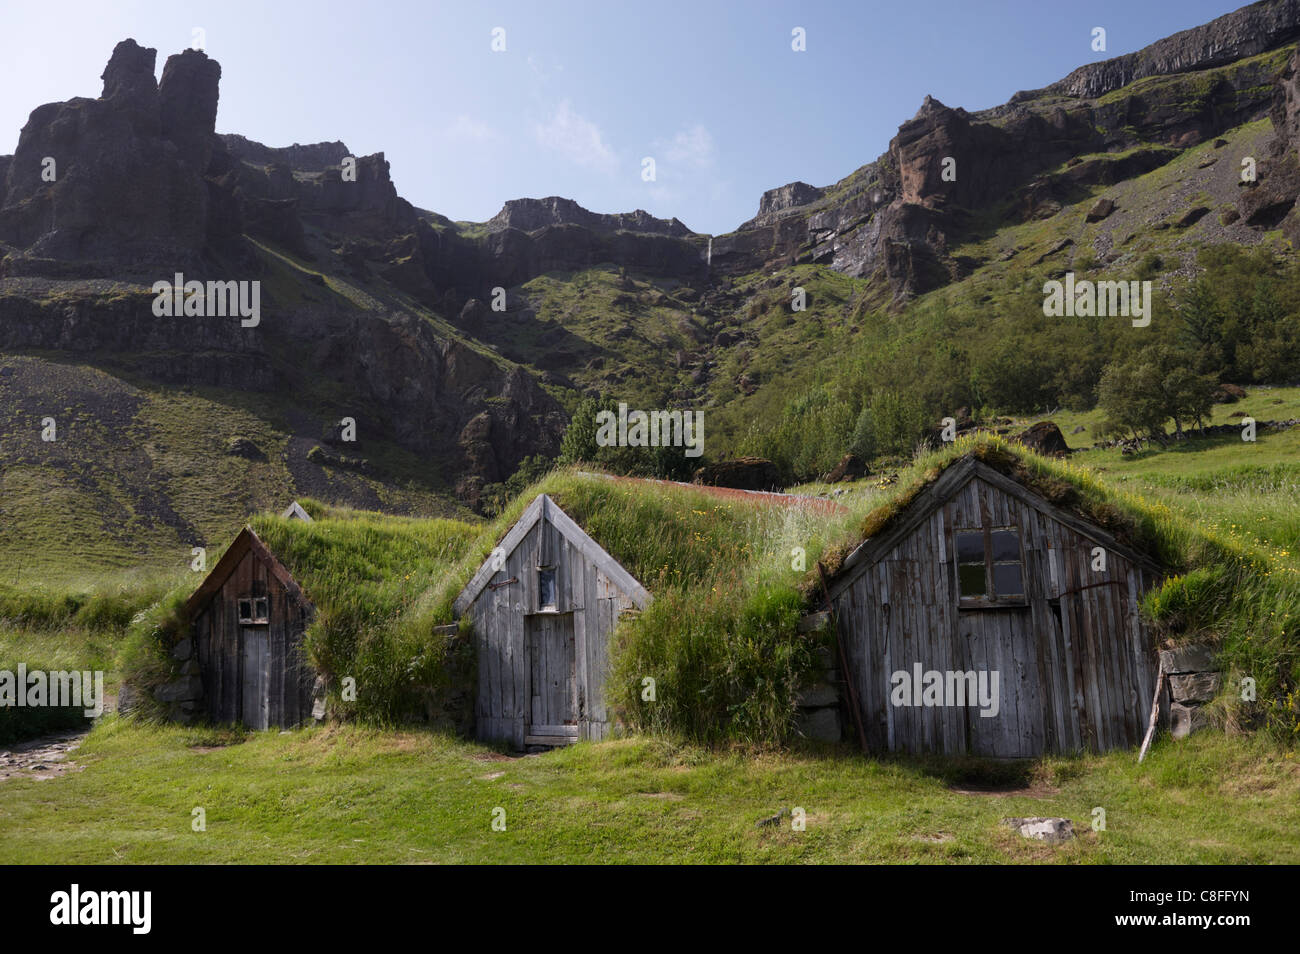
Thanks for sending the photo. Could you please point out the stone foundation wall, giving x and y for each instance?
(1193, 681)
(820, 717)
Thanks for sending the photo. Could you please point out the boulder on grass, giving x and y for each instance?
(1228, 394)
(1044, 438)
(850, 467)
(1100, 209)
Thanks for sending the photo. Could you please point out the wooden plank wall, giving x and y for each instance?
(1071, 678)
(219, 642)
(503, 707)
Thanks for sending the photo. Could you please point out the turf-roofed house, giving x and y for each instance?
(249, 616)
(543, 606)
(983, 618)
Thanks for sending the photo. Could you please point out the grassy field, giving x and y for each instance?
(347, 794)
(356, 793)
(1222, 483)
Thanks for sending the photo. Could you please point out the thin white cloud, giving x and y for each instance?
(689, 147)
(466, 129)
(577, 139)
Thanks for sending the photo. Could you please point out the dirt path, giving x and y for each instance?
(43, 758)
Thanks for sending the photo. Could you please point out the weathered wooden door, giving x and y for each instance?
(1002, 641)
(552, 691)
(256, 678)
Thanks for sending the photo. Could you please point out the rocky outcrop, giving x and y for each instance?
(1043, 438)
(316, 157)
(896, 218)
(529, 215)
(776, 202)
(1271, 199)
(118, 179)
(1246, 32)
(1194, 681)
(143, 187)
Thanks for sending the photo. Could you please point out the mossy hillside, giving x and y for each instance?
(140, 473)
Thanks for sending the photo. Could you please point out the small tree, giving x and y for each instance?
(579, 442)
(1150, 387)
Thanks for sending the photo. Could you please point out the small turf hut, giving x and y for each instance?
(980, 574)
(543, 605)
(249, 616)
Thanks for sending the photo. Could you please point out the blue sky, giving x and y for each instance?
(584, 91)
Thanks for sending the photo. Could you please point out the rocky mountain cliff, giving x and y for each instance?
(376, 309)
(896, 219)
(141, 188)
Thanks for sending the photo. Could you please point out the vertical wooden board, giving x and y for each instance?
(479, 614)
(482, 712)
(1099, 604)
(581, 670)
(230, 658)
(541, 635)
(516, 658)
(597, 649)
(1058, 657)
(995, 629)
(904, 726)
(491, 632)
(1041, 635)
(854, 629)
(1124, 661)
(1138, 645)
(1036, 699)
(567, 563)
(1094, 608)
(571, 659)
(536, 670)
(979, 657)
(881, 663)
(1117, 652)
(1096, 699)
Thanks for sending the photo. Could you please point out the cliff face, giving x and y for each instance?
(142, 188)
(127, 180)
(1272, 200)
(357, 278)
(1234, 36)
(528, 215)
(896, 218)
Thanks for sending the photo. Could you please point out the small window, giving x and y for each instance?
(254, 609)
(989, 566)
(972, 572)
(546, 588)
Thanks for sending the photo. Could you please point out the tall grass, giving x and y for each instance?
(63, 628)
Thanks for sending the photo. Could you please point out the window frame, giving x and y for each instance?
(989, 599)
(247, 607)
(554, 605)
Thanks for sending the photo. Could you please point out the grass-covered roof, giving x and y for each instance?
(732, 577)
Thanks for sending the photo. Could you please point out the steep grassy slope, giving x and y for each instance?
(138, 474)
